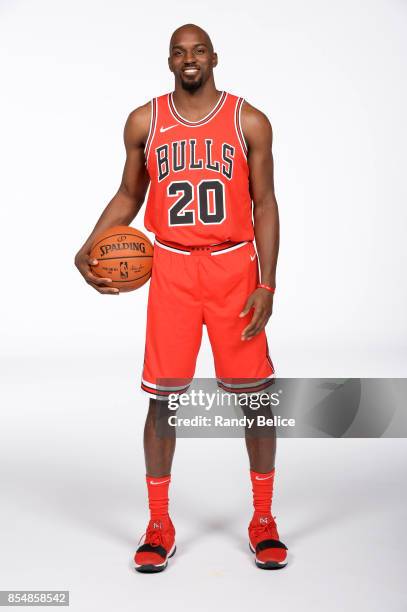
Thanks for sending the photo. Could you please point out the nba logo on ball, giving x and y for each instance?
(124, 270)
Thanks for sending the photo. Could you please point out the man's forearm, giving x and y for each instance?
(267, 234)
(121, 210)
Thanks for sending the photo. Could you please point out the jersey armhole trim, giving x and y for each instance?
(151, 131)
(238, 126)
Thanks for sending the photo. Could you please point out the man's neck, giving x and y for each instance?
(195, 103)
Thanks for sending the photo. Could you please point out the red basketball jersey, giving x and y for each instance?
(199, 190)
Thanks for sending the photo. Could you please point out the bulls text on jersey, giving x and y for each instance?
(171, 158)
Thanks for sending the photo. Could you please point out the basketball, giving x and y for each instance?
(125, 255)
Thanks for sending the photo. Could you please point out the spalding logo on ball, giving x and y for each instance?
(125, 255)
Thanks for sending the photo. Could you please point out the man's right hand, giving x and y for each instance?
(83, 263)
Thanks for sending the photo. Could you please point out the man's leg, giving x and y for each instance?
(261, 448)
(159, 439)
(173, 338)
(159, 447)
(270, 552)
(230, 278)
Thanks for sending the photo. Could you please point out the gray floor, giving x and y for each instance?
(73, 506)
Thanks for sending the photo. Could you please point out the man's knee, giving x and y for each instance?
(158, 417)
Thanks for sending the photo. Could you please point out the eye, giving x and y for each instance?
(200, 50)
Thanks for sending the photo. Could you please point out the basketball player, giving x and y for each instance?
(206, 155)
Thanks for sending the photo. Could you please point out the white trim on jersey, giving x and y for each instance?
(228, 249)
(164, 246)
(238, 126)
(220, 252)
(152, 128)
(258, 383)
(154, 396)
(163, 388)
(186, 122)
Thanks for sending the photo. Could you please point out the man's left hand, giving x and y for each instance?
(262, 302)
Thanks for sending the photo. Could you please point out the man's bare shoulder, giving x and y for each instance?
(138, 125)
(255, 123)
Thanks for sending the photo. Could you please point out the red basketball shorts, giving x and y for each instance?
(192, 287)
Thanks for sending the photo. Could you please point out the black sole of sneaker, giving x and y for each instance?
(268, 565)
(154, 569)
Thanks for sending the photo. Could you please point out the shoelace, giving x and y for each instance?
(153, 537)
(266, 531)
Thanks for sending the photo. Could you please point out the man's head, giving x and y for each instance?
(192, 57)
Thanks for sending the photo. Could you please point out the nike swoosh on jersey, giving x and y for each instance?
(266, 478)
(164, 129)
(253, 258)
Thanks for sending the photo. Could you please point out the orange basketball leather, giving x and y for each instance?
(125, 255)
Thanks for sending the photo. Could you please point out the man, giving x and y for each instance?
(206, 155)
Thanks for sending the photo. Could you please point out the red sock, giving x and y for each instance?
(158, 495)
(262, 487)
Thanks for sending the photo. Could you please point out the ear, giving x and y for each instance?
(169, 64)
(214, 60)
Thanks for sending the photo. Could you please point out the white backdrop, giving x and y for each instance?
(330, 75)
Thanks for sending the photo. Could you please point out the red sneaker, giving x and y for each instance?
(265, 543)
(157, 547)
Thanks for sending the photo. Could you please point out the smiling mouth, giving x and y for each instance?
(190, 70)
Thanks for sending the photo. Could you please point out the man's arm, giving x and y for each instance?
(129, 198)
(259, 137)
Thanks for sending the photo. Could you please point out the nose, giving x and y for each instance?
(189, 58)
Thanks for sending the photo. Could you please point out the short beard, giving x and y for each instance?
(191, 85)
